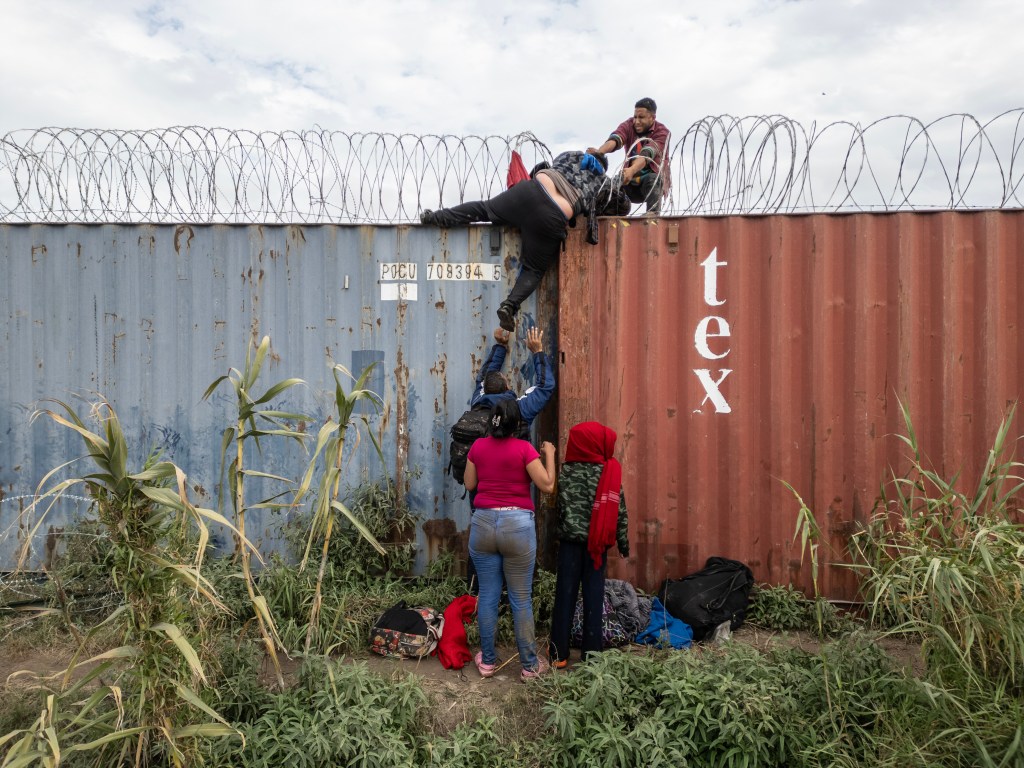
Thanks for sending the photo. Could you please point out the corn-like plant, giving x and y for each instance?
(330, 445)
(809, 534)
(254, 420)
(378, 505)
(157, 541)
(948, 564)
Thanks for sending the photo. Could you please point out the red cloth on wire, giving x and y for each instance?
(516, 170)
(453, 648)
(594, 443)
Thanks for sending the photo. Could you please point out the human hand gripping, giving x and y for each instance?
(633, 168)
(501, 336)
(548, 451)
(542, 473)
(534, 339)
(589, 163)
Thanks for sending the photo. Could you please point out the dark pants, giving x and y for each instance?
(576, 569)
(541, 224)
(646, 190)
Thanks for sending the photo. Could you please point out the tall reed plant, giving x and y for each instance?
(330, 447)
(945, 560)
(147, 707)
(809, 534)
(255, 419)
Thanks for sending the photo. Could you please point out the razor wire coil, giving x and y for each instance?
(720, 165)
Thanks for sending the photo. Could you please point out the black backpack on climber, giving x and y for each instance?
(464, 432)
(471, 425)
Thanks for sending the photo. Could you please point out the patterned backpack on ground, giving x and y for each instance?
(613, 633)
(406, 633)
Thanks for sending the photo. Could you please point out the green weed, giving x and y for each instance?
(948, 565)
(18, 709)
(779, 608)
(377, 545)
(785, 608)
(338, 714)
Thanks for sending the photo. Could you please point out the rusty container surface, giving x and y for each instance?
(736, 354)
(148, 316)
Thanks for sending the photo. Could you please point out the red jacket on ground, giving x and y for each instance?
(453, 648)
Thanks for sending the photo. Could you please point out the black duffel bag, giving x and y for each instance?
(717, 593)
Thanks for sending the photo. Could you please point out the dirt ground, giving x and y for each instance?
(20, 671)
(460, 696)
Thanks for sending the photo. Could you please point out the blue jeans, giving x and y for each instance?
(503, 545)
(576, 570)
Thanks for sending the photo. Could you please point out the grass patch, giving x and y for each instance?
(181, 636)
(730, 705)
(785, 609)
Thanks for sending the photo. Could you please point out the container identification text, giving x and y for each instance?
(470, 271)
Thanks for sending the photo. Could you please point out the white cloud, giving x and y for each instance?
(569, 72)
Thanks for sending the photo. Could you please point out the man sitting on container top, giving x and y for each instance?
(645, 176)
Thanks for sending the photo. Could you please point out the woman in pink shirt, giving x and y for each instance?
(502, 535)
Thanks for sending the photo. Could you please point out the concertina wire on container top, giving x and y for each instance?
(720, 165)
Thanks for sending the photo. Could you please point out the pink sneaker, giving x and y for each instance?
(485, 670)
(532, 674)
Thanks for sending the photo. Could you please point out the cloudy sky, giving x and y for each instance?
(567, 71)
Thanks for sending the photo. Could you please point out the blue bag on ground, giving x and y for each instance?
(665, 630)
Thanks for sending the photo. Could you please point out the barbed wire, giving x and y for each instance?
(771, 164)
(719, 165)
(216, 175)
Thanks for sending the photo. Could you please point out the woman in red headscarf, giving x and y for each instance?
(591, 517)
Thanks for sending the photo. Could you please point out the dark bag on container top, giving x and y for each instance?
(717, 593)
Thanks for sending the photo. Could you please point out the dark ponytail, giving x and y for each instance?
(505, 418)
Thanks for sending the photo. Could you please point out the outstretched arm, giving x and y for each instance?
(647, 151)
(633, 168)
(610, 145)
(495, 362)
(532, 401)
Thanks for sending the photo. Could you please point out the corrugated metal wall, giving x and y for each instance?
(149, 316)
(734, 353)
(821, 322)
